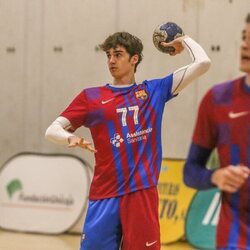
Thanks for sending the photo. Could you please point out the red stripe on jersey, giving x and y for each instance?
(154, 146)
(146, 162)
(100, 188)
(131, 126)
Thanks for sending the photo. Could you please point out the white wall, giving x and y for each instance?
(48, 55)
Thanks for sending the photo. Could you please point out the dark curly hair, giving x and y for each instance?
(132, 44)
(248, 18)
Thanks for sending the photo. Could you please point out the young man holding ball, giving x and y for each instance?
(124, 118)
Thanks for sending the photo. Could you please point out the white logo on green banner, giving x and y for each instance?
(202, 219)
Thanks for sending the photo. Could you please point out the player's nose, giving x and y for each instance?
(243, 46)
(112, 59)
(246, 44)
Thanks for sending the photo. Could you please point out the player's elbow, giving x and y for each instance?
(49, 134)
(204, 66)
(187, 177)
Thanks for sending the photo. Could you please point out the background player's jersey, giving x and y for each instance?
(125, 124)
(225, 113)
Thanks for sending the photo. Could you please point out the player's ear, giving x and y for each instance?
(134, 59)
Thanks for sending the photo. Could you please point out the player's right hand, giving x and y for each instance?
(176, 44)
(231, 178)
(75, 141)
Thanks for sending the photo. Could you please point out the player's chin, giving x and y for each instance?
(245, 67)
(113, 72)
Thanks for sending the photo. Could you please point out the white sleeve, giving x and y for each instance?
(57, 131)
(200, 64)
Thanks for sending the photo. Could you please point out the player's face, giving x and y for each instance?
(120, 63)
(245, 50)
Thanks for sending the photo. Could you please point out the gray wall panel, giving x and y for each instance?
(72, 30)
(12, 76)
(48, 55)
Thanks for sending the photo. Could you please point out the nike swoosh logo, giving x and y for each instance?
(233, 115)
(149, 244)
(109, 100)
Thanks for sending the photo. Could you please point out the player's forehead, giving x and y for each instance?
(246, 29)
(117, 49)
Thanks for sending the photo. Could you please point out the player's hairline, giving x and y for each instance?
(248, 18)
(116, 49)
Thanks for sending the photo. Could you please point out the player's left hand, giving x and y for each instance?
(231, 178)
(176, 44)
(75, 141)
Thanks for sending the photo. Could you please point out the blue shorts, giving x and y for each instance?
(130, 222)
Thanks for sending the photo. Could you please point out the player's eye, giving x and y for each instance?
(118, 55)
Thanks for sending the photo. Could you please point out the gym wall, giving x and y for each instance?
(48, 51)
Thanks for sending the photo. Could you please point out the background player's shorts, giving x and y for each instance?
(132, 219)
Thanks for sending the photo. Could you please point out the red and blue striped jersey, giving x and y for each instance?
(224, 122)
(125, 124)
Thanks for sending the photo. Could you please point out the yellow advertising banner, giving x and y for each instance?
(175, 198)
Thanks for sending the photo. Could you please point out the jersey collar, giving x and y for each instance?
(120, 87)
(246, 86)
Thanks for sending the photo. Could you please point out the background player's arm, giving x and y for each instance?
(58, 132)
(196, 175)
(200, 62)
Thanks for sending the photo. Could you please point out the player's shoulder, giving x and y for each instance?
(160, 80)
(223, 92)
(94, 88)
(227, 85)
(93, 91)
(149, 85)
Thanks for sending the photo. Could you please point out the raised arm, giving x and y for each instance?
(200, 62)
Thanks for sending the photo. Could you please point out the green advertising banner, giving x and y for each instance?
(202, 219)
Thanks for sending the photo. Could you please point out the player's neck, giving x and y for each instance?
(125, 80)
(248, 80)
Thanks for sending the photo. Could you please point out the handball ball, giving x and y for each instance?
(166, 32)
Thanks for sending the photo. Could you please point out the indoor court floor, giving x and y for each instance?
(25, 241)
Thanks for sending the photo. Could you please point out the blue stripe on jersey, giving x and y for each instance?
(129, 151)
(158, 104)
(149, 150)
(234, 232)
(235, 154)
(117, 161)
(130, 160)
